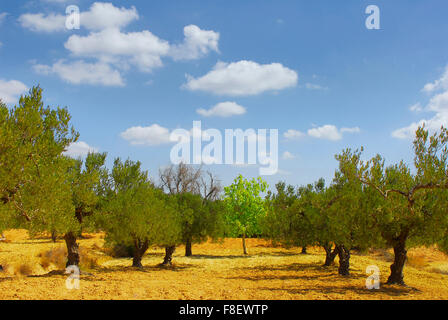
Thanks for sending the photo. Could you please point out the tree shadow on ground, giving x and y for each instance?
(392, 291)
(297, 266)
(280, 254)
(206, 256)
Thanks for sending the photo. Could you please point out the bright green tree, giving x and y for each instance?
(245, 207)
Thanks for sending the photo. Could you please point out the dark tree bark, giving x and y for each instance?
(304, 250)
(400, 256)
(72, 249)
(188, 245)
(54, 237)
(330, 255)
(140, 249)
(344, 260)
(244, 245)
(167, 261)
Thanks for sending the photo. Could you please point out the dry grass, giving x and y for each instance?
(216, 271)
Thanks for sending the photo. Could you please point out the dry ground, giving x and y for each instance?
(216, 271)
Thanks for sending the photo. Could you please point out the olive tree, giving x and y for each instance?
(412, 210)
(195, 191)
(136, 211)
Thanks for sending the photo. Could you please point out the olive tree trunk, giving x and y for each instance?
(188, 245)
(344, 260)
(245, 252)
(400, 256)
(330, 255)
(167, 261)
(304, 250)
(72, 249)
(140, 248)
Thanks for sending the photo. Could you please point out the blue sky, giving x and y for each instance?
(310, 69)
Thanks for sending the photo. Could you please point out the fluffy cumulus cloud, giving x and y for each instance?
(80, 72)
(292, 134)
(11, 90)
(153, 135)
(326, 132)
(142, 49)
(439, 84)
(106, 15)
(113, 50)
(79, 149)
(197, 43)
(39, 22)
(100, 16)
(244, 78)
(223, 109)
(437, 106)
(330, 132)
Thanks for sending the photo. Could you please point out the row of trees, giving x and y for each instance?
(44, 191)
(367, 205)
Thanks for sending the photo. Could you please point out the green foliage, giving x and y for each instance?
(136, 210)
(33, 186)
(200, 218)
(408, 203)
(245, 205)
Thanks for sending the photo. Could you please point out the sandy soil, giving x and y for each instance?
(216, 271)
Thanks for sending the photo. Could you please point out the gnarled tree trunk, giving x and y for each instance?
(330, 255)
(400, 256)
(304, 250)
(244, 245)
(188, 252)
(140, 249)
(167, 261)
(344, 260)
(72, 249)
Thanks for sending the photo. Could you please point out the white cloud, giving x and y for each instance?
(223, 109)
(441, 83)
(330, 132)
(80, 72)
(288, 155)
(293, 134)
(11, 90)
(105, 15)
(79, 149)
(416, 107)
(38, 22)
(197, 43)
(351, 130)
(243, 78)
(58, 1)
(113, 49)
(150, 136)
(327, 132)
(142, 49)
(99, 17)
(438, 104)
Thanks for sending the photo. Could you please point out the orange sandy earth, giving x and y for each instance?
(217, 271)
